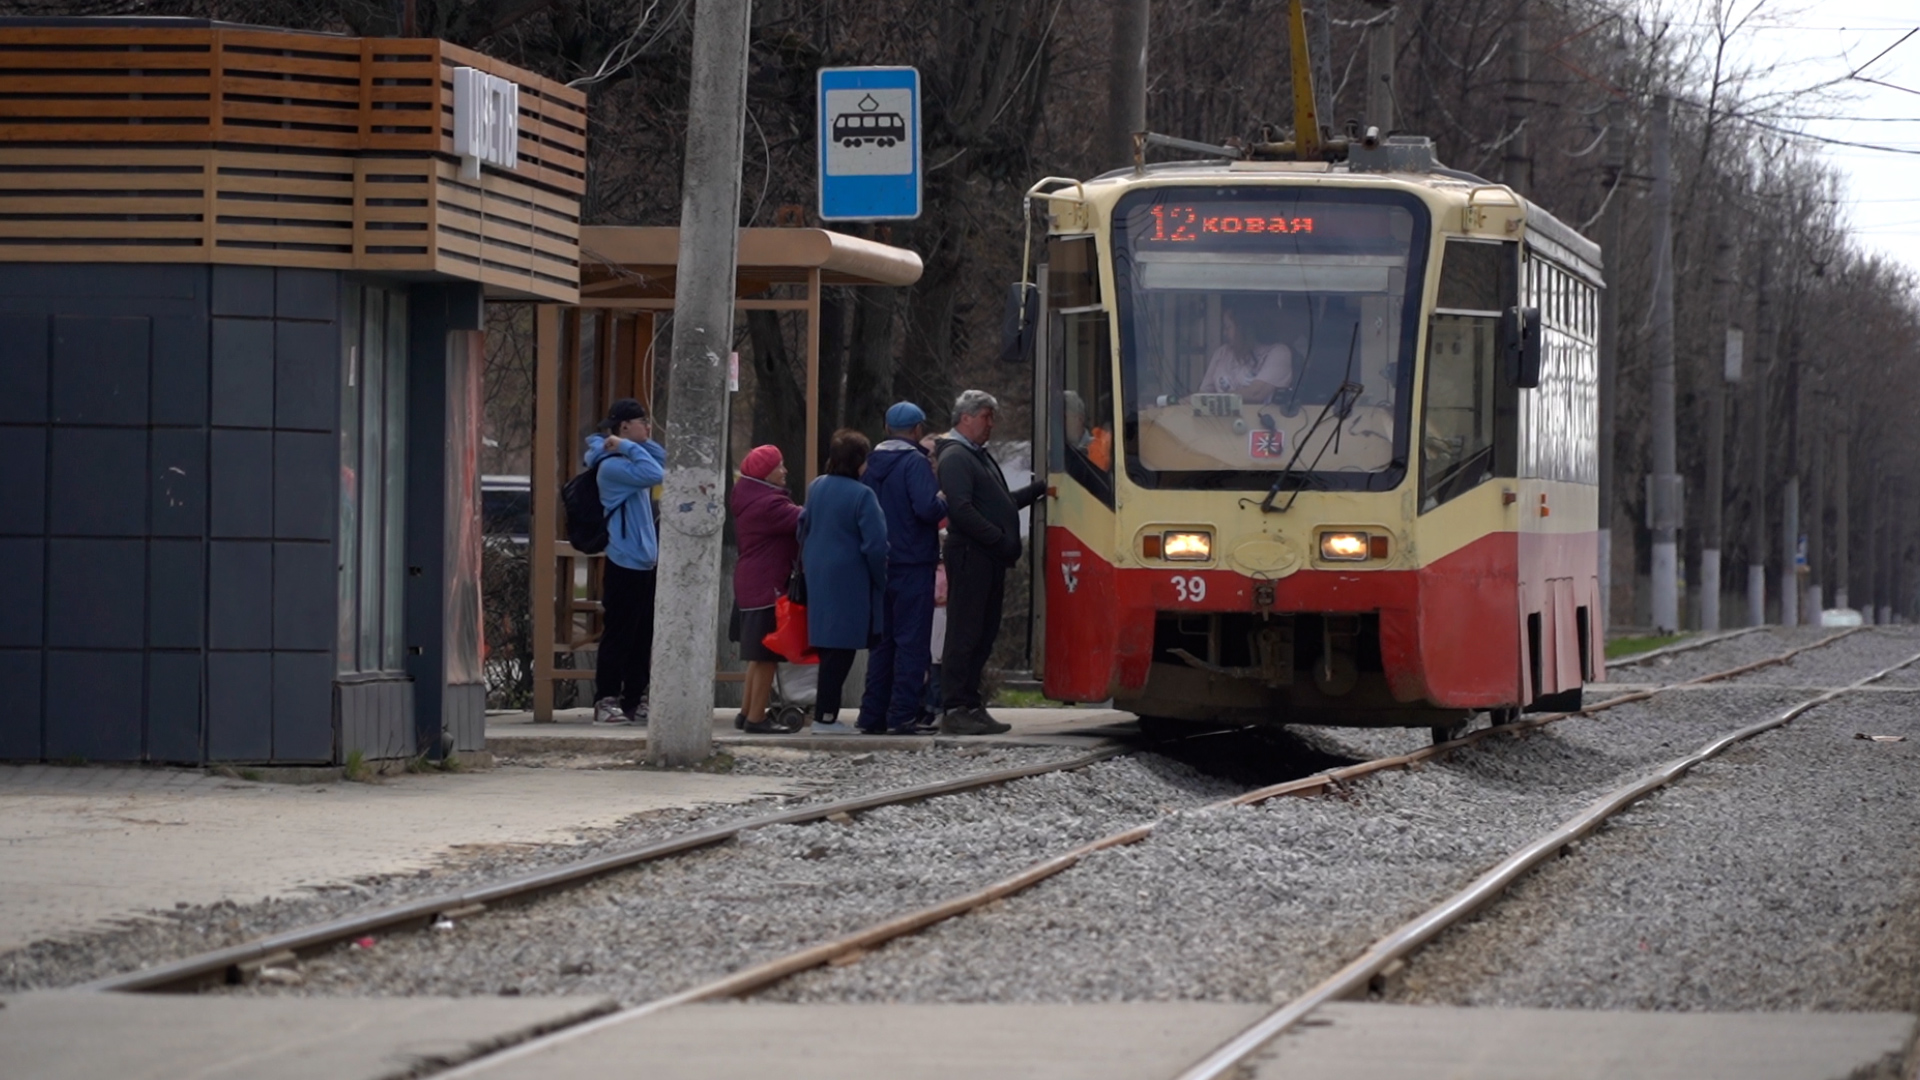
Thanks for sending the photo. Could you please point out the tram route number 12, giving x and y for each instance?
(1189, 590)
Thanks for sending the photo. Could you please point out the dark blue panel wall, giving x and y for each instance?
(169, 471)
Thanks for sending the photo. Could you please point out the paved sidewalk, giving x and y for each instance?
(68, 1036)
(572, 731)
(82, 846)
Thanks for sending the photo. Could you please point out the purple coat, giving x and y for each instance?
(764, 519)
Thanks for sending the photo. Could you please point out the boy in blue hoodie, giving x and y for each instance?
(901, 475)
(629, 464)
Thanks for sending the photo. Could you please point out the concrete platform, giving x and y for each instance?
(65, 1036)
(513, 734)
(1391, 1042)
(1157, 1041)
(81, 846)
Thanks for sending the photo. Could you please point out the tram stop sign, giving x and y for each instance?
(869, 135)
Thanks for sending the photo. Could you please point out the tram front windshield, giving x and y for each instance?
(1244, 314)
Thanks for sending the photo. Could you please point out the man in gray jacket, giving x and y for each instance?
(983, 541)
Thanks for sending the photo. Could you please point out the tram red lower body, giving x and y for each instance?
(1453, 634)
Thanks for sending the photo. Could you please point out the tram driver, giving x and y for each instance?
(1251, 361)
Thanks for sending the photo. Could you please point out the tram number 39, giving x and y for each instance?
(1189, 590)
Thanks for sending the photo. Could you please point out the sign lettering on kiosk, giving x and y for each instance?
(486, 121)
(869, 137)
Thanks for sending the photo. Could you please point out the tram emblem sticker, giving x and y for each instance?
(1265, 444)
(1070, 570)
(868, 130)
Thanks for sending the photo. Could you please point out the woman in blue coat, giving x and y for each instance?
(843, 544)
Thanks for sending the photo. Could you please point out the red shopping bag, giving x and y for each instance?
(789, 637)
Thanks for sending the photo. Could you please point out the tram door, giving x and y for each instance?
(1074, 421)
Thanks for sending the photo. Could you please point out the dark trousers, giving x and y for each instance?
(976, 589)
(626, 647)
(834, 666)
(897, 666)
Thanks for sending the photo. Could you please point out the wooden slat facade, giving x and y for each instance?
(227, 144)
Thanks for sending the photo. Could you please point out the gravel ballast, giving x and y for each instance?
(1258, 904)
(1781, 875)
(171, 934)
(669, 925)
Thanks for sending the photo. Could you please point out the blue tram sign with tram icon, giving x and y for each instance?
(869, 136)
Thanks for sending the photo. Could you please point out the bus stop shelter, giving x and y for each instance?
(601, 349)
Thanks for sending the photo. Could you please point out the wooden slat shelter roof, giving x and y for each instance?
(638, 262)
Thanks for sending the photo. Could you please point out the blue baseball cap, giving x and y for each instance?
(903, 415)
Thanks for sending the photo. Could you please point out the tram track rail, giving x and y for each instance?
(1683, 646)
(1411, 936)
(851, 947)
(233, 963)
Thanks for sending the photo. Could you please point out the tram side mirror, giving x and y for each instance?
(1019, 324)
(1520, 332)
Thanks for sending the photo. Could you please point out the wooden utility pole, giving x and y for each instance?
(693, 507)
(1127, 80)
(1663, 491)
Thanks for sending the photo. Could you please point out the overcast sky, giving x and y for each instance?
(1815, 41)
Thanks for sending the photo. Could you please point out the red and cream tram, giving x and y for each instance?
(1321, 443)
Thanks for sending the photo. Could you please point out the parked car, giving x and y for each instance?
(506, 507)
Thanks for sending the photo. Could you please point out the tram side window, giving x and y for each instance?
(1083, 404)
(1458, 433)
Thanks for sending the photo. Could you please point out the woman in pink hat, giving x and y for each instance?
(764, 517)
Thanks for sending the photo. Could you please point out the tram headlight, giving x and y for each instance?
(1186, 546)
(1344, 546)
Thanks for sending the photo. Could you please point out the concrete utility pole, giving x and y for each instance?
(1790, 498)
(1842, 511)
(1320, 34)
(1757, 431)
(1380, 57)
(1714, 513)
(1127, 89)
(1663, 494)
(693, 507)
(1610, 242)
(1517, 164)
(1816, 509)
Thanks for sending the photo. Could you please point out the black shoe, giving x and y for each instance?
(971, 721)
(764, 726)
(740, 720)
(919, 725)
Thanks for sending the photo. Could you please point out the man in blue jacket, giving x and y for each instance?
(901, 475)
(629, 465)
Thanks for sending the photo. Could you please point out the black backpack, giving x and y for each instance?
(586, 518)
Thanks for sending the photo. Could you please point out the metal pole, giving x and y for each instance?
(693, 508)
(1127, 80)
(1664, 495)
(1380, 55)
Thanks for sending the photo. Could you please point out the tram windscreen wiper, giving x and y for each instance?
(1339, 405)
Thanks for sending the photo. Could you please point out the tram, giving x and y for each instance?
(1321, 441)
